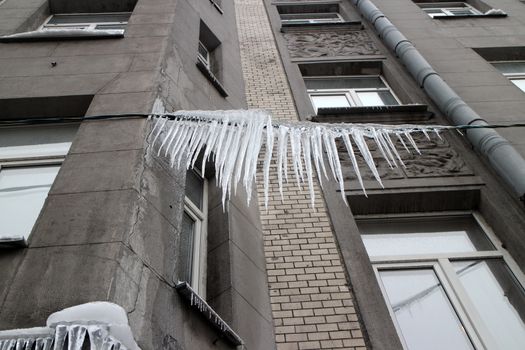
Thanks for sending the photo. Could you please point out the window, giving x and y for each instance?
(349, 91)
(193, 233)
(209, 57)
(450, 9)
(311, 18)
(87, 21)
(447, 281)
(30, 159)
(78, 25)
(514, 71)
(304, 14)
(204, 55)
(443, 9)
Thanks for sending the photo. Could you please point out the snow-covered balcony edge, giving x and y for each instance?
(100, 325)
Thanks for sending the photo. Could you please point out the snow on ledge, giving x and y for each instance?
(104, 324)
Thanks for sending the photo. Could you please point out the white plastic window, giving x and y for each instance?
(203, 54)
(30, 159)
(349, 91)
(514, 71)
(448, 282)
(87, 21)
(193, 233)
(444, 9)
(311, 18)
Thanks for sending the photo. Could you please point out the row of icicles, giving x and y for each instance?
(233, 141)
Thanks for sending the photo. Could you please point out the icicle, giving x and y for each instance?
(350, 151)
(319, 146)
(308, 165)
(437, 132)
(400, 138)
(363, 148)
(317, 155)
(338, 170)
(328, 148)
(281, 154)
(393, 148)
(425, 133)
(267, 160)
(412, 142)
(160, 130)
(233, 140)
(295, 155)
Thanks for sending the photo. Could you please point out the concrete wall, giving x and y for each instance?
(109, 229)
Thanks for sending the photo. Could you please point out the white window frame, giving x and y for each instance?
(351, 94)
(447, 9)
(200, 239)
(46, 26)
(513, 76)
(204, 59)
(447, 276)
(28, 161)
(312, 18)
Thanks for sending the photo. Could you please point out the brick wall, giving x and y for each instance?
(311, 302)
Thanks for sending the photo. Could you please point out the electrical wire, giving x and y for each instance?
(77, 119)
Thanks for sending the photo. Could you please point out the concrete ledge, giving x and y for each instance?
(355, 25)
(211, 77)
(375, 114)
(70, 34)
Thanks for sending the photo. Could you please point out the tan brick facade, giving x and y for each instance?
(311, 302)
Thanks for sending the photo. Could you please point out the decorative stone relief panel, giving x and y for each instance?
(437, 159)
(328, 43)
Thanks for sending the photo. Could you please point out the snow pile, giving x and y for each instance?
(104, 324)
(234, 140)
(495, 12)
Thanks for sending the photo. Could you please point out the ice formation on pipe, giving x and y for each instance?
(233, 140)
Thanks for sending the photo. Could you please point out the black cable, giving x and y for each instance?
(77, 119)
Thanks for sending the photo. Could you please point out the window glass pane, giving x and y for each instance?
(519, 83)
(187, 237)
(194, 188)
(370, 99)
(89, 18)
(22, 195)
(23, 142)
(387, 98)
(411, 236)
(498, 298)
(516, 67)
(345, 83)
(330, 101)
(423, 312)
(461, 12)
(110, 27)
(377, 98)
(321, 15)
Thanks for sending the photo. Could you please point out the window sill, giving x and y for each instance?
(287, 27)
(211, 77)
(391, 114)
(71, 34)
(13, 242)
(198, 304)
(471, 16)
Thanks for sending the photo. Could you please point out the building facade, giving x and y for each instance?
(90, 211)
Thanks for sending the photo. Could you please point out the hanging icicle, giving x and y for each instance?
(233, 140)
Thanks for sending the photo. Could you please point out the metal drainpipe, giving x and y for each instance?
(503, 157)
